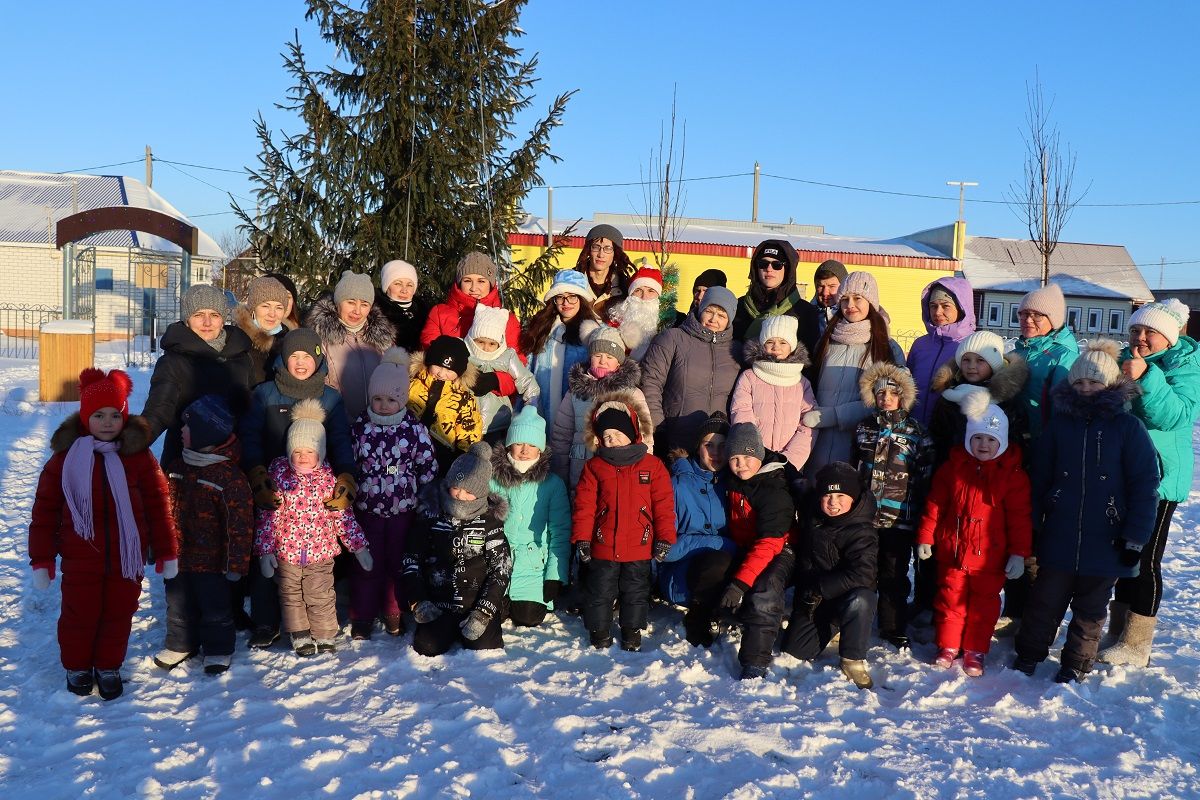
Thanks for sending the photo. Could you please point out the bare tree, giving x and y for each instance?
(1045, 199)
(662, 190)
(240, 265)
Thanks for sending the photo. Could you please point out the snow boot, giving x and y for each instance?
(752, 672)
(109, 683)
(303, 644)
(215, 665)
(945, 658)
(1067, 674)
(631, 640)
(897, 640)
(1024, 665)
(856, 671)
(1133, 649)
(1118, 616)
(326, 646)
(262, 638)
(170, 659)
(698, 629)
(361, 631)
(80, 682)
(601, 640)
(973, 663)
(393, 625)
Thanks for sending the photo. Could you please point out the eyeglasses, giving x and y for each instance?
(1032, 315)
(603, 249)
(565, 299)
(765, 264)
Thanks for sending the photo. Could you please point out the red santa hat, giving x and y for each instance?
(647, 276)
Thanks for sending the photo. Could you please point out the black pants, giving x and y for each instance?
(852, 612)
(435, 638)
(761, 613)
(199, 615)
(1144, 593)
(604, 582)
(526, 613)
(264, 599)
(1052, 592)
(708, 573)
(926, 583)
(895, 551)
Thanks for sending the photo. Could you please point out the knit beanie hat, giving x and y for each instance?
(830, 268)
(648, 277)
(993, 423)
(200, 296)
(939, 293)
(719, 296)
(209, 421)
(527, 427)
(1098, 362)
(615, 419)
(354, 286)
(862, 284)
(709, 278)
(780, 326)
(568, 281)
(264, 290)
(394, 270)
(302, 340)
(472, 471)
(449, 352)
(744, 439)
(605, 231)
(1049, 301)
(1170, 317)
(838, 477)
(390, 378)
(97, 391)
(716, 423)
(307, 431)
(607, 339)
(476, 264)
(489, 323)
(982, 343)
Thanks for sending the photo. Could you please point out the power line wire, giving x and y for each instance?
(643, 183)
(206, 183)
(102, 166)
(200, 166)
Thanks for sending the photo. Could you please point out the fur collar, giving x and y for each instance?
(1105, 404)
(466, 381)
(134, 438)
(1004, 385)
(260, 340)
(621, 399)
(752, 351)
(323, 319)
(887, 370)
(585, 387)
(505, 474)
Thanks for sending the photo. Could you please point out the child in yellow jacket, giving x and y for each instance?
(440, 395)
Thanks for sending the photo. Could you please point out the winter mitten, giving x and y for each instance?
(268, 564)
(486, 383)
(266, 493)
(1015, 567)
(41, 578)
(732, 598)
(344, 492)
(233, 577)
(661, 549)
(1129, 553)
(806, 604)
(924, 551)
(364, 559)
(169, 568)
(475, 624)
(425, 612)
(583, 551)
(812, 419)
(550, 591)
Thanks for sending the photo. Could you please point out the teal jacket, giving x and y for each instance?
(538, 526)
(1169, 405)
(1049, 358)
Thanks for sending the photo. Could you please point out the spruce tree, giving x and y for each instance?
(408, 147)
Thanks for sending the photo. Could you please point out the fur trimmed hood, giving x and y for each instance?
(621, 400)
(1005, 385)
(260, 340)
(323, 319)
(505, 474)
(1106, 403)
(585, 387)
(892, 372)
(467, 380)
(752, 351)
(134, 437)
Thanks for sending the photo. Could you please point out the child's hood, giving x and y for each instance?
(753, 351)
(507, 476)
(1004, 385)
(861, 513)
(894, 373)
(1106, 403)
(418, 372)
(581, 383)
(134, 437)
(623, 400)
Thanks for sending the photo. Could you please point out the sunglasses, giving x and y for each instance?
(765, 264)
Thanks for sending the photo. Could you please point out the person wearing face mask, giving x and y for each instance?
(398, 299)
(948, 311)
(774, 291)
(264, 318)
(1048, 347)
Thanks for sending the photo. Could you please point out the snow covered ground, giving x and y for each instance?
(549, 717)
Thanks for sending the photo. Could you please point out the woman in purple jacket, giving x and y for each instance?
(948, 309)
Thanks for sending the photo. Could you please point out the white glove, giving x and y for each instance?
(364, 559)
(811, 419)
(169, 569)
(41, 578)
(1015, 567)
(924, 551)
(232, 577)
(268, 564)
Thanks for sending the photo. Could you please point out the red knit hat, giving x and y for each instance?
(97, 391)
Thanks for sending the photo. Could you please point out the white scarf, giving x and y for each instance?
(777, 373)
(523, 466)
(482, 355)
(195, 458)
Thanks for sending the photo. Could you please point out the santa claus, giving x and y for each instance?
(637, 316)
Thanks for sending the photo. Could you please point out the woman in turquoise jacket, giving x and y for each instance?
(1166, 367)
(538, 526)
(1048, 347)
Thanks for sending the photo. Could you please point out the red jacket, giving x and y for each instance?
(52, 532)
(454, 318)
(978, 513)
(623, 511)
(761, 516)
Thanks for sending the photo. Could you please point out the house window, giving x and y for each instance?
(1013, 320)
(104, 279)
(995, 315)
(1095, 315)
(1074, 315)
(1116, 320)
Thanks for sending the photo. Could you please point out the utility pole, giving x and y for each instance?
(754, 206)
(149, 168)
(962, 188)
(1162, 265)
(549, 217)
(960, 228)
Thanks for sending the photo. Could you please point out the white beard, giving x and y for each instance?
(637, 320)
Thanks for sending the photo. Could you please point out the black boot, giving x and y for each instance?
(896, 640)
(80, 682)
(698, 629)
(1067, 674)
(109, 683)
(1024, 665)
(263, 638)
(361, 631)
(631, 639)
(601, 640)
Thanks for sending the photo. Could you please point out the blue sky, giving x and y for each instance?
(893, 96)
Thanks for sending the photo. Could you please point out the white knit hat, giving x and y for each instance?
(985, 344)
(780, 326)
(396, 269)
(1168, 318)
(489, 323)
(993, 423)
(307, 430)
(1098, 362)
(1049, 301)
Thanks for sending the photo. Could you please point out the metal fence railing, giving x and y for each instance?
(20, 326)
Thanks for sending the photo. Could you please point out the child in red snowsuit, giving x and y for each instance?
(978, 516)
(101, 502)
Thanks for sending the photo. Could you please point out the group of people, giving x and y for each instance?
(450, 464)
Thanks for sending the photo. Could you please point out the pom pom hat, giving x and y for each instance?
(1169, 318)
(97, 391)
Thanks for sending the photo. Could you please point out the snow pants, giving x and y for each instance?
(708, 573)
(264, 599)
(1052, 592)
(97, 615)
(527, 613)
(1144, 592)
(852, 612)
(966, 608)
(604, 582)
(437, 637)
(380, 592)
(761, 613)
(199, 615)
(307, 599)
(895, 551)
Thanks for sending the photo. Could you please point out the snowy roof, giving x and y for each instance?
(31, 203)
(1080, 270)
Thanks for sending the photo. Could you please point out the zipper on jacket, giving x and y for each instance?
(1082, 492)
(1099, 439)
(645, 525)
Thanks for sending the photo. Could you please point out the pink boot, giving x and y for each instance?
(973, 663)
(945, 658)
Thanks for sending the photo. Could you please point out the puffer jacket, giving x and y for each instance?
(960, 400)
(773, 396)
(302, 530)
(454, 318)
(447, 408)
(263, 429)
(1096, 477)
(459, 565)
(931, 352)
(701, 523)
(552, 366)
(978, 512)
(761, 518)
(350, 358)
(497, 409)
(1049, 359)
(568, 446)
(837, 554)
(538, 526)
(687, 373)
(52, 531)
(264, 347)
(406, 322)
(394, 462)
(1168, 406)
(214, 512)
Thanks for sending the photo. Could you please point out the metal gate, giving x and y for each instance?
(83, 278)
(152, 302)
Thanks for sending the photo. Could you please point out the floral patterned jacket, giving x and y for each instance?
(302, 530)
